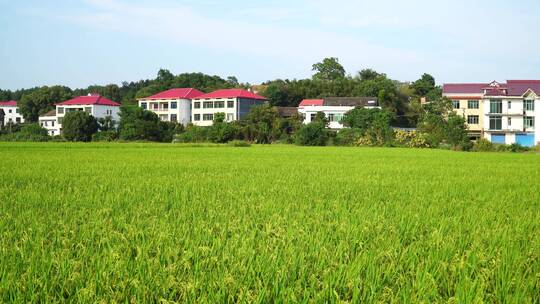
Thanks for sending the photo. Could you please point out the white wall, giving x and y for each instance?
(183, 110)
(232, 111)
(12, 115)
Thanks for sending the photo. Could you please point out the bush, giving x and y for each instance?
(29, 132)
(107, 136)
(483, 145)
(411, 139)
(347, 137)
(193, 134)
(222, 132)
(239, 143)
(312, 134)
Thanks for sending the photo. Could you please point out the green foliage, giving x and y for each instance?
(28, 132)
(105, 136)
(348, 137)
(261, 125)
(456, 132)
(372, 124)
(42, 100)
(410, 139)
(222, 132)
(137, 124)
(79, 126)
(193, 134)
(483, 145)
(312, 134)
(329, 69)
(239, 143)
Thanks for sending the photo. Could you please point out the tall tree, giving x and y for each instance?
(329, 69)
(42, 100)
(79, 126)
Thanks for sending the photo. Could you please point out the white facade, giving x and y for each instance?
(53, 124)
(12, 114)
(234, 108)
(334, 114)
(511, 119)
(174, 110)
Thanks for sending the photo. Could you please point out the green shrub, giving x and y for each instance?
(239, 143)
(347, 137)
(193, 134)
(106, 136)
(312, 134)
(483, 145)
(410, 139)
(79, 126)
(29, 132)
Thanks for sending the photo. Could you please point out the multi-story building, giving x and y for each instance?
(334, 108)
(507, 112)
(171, 105)
(234, 103)
(94, 104)
(11, 112)
(467, 101)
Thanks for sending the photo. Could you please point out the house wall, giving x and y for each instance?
(182, 112)
(12, 115)
(241, 106)
(98, 111)
(50, 124)
(327, 110)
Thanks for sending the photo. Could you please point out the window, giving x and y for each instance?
(455, 104)
(60, 119)
(528, 105)
(230, 103)
(44, 124)
(208, 105)
(230, 116)
(220, 104)
(495, 123)
(18, 120)
(331, 117)
(17, 110)
(10, 111)
(509, 121)
(52, 123)
(174, 104)
(528, 122)
(197, 105)
(338, 117)
(472, 104)
(155, 106)
(174, 117)
(208, 117)
(165, 106)
(143, 105)
(60, 110)
(495, 106)
(196, 117)
(312, 116)
(89, 110)
(472, 119)
(509, 105)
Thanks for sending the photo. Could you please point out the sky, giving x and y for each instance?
(84, 42)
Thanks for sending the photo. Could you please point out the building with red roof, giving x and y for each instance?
(334, 108)
(234, 103)
(11, 113)
(171, 105)
(94, 104)
(503, 113)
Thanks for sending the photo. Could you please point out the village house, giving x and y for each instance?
(504, 113)
(11, 112)
(172, 105)
(94, 104)
(334, 108)
(234, 103)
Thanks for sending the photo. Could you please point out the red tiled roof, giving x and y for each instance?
(11, 103)
(91, 99)
(464, 88)
(180, 93)
(520, 87)
(311, 102)
(465, 97)
(231, 93)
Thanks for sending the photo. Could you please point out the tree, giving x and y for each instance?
(329, 69)
(368, 74)
(312, 134)
(79, 126)
(373, 124)
(423, 85)
(42, 100)
(139, 124)
(321, 118)
(261, 124)
(106, 124)
(456, 132)
(164, 76)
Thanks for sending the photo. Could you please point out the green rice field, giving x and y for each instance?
(164, 223)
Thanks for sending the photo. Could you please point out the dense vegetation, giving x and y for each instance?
(133, 223)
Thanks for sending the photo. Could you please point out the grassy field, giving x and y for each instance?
(147, 223)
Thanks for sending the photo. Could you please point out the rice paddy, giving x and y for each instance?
(170, 223)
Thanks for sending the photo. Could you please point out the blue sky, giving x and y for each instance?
(83, 42)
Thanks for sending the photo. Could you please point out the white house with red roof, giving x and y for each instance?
(11, 112)
(507, 113)
(94, 104)
(334, 108)
(171, 105)
(234, 103)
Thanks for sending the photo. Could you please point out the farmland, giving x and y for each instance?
(150, 222)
